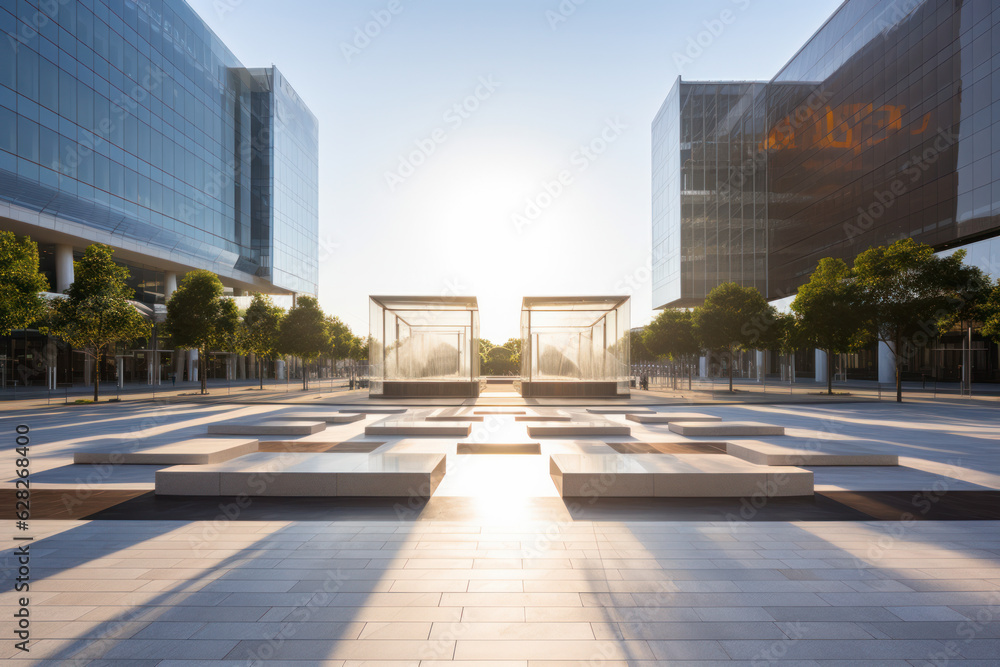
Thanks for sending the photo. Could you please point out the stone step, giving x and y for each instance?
(673, 476)
(725, 429)
(620, 411)
(669, 418)
(196, 451)
(269, 427)
(556, 429)
(308, 475)
(499, 448)
(410, 428)
(328, 417)
(812, 452)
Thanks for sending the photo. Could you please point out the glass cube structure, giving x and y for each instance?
(575, 346)
(423, 346)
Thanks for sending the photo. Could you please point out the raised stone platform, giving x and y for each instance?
(619, 411)
(811, 452)
(328, 417)
(557, 429)
(375, 411)
(725, 429)
(270, 427)
(669, 476)
(409, 427)
(197, 451)
(349, 446)
(554, 416)
(452, 415)
(308, 475)
(499, 448)
(690, 447)
(499, 411)
(669, 418)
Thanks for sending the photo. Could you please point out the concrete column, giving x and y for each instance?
(193, 365)
(760, 365)
(886, 363)
(64, 267)
(179, 360)
(169, 284)
(241, 367)
(821, 366)
(88, 372)
(252, 358)
(279, 369)
(152, 367)
(120, 368)
(702, 367)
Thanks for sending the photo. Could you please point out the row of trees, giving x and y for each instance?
(500, 359)
(903, 295)
(96, 314)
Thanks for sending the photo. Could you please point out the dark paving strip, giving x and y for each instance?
(66, 504)
(668, 447)
(825, 506)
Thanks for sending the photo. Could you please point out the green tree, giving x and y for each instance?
(829, 312)
(304, 334)
(199, 317)
(969, 305)
(671, 334)
(514, 345)
(989, 314)
(906, 291)
(732, 319)
(340, 336)
(261, 324)
(97, 313)
(638, 352)
(20, 283)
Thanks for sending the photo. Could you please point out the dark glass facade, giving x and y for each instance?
(131, 123)
(885, 125)
(709, 197)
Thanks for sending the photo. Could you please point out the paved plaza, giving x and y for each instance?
(496, 569)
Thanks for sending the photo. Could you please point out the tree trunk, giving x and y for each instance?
(730, 370)
(201, 370)
(829, 373)
(97, 377)
(305, 375)
(260, 371)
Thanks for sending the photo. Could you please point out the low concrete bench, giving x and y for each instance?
(269, 427)
(410, 428)
(499, 448)
(558, 429)
(669, 418)
(805, 452)
(197, 451)
(725, 429)
(328, 417)
(308, 475)
(670, 476)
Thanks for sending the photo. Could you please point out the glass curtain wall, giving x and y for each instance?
(423, 346)
(575, 346)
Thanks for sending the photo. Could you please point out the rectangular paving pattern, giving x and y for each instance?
(725, 429)
(559, 429)
(415, 428)
(269, 427)
(668, 447)
(318, 447)
(196, 451)
(673, 476)
(301, 474)
(814, 452)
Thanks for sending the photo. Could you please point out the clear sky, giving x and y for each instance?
(451, 141)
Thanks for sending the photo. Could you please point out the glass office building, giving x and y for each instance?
(423, 346)
(885, 125)
(709, 199)
(130, 123)
(575, 346)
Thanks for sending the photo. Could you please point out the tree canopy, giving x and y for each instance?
(304, 333)
(732, 318)
(261, 324)
(20, 283)
(199, 317)
(829, 312)
(97, 313)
